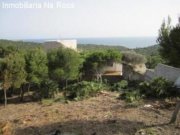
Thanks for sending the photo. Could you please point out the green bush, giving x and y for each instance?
(130, 57)
(158, 87)
(131, 96)
(82, 90)
(119, 86)
(48, 89)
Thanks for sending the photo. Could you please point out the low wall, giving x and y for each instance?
(115, 67)
(161, 70)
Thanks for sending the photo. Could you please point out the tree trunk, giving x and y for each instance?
(97, 77)
(5, 98)
(29, 86)
(21, 94)
(100, 76)
(175, 113)
(66, 83)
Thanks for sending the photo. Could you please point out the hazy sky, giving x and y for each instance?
(86, 18)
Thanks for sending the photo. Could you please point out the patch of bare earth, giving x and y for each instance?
(101, 115)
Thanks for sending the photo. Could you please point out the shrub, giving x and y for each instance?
(82, 90)
(133, 58)
(131, 96)
(158, 87)
(48, 89)
(119, 86)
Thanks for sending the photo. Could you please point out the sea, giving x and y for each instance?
(129, 42)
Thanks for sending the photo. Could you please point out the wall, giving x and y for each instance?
(161, 70)
(115, 67)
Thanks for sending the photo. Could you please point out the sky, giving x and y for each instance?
(85, 18)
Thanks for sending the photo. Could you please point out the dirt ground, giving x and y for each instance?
(101, 115)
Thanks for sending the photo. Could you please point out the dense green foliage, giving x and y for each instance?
(133, 58)
(92, 48)
(64, 64)
(48, 89)
(153, 61)
(119, 86)
(169, 41)
(94, 62)
(82, 90)
(18, 44)
(158, 87)
(13, 72)
(36, 65)
(24, 65)
(131, 96)
(148, 51)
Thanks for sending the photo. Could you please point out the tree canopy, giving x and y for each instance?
(169, 41)
(64, 64)
(36, 65)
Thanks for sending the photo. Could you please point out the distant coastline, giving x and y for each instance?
(129, 42)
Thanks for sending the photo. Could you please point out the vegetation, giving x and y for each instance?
(169, 41)
(64, 64)
(82, 90)
(7, 44)
(92, 48)
(133, 58)
(157, 88)
(169, 38)
(148, 51)
(36, 66)
(153, 61)
(30, 68)
(131, 96)
(13, 73)
(95, 62)
(151, 53)
(119, 86)
(48, 89)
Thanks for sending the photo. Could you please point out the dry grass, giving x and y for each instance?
(101, 115)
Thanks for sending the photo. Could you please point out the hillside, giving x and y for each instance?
(147, 51)
(151, 50)
(93, 47)
(18, 44)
